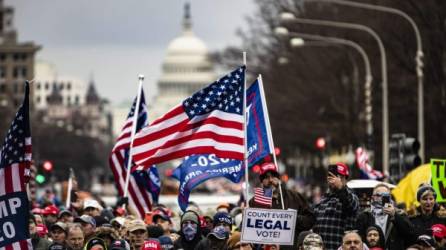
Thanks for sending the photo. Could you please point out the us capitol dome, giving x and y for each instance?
(186, 69)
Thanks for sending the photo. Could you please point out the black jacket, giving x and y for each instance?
(292, 200)
(422, 223)
(399, 230)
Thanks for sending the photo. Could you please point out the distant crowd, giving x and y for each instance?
(336, 222)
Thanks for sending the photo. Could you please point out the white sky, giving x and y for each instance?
(118, 39)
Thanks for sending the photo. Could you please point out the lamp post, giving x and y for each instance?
(297, 41)
(291, 18)
(418, 57)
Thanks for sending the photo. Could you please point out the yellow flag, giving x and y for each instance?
(406, 190)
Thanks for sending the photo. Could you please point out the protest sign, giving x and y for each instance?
(268, 226)
(438, 168)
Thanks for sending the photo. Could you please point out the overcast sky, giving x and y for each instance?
(117, 40)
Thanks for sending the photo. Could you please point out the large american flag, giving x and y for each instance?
(208, 122)
(15, 161)
(139, 197)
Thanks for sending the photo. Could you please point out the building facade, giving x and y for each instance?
(16, 60)
(186, 68)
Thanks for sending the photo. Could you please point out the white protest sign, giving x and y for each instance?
(268, 226)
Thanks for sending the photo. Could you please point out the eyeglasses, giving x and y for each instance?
(351, 242)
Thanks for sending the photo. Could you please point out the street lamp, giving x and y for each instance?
(418, 56)
(287, 17)
(297, 41)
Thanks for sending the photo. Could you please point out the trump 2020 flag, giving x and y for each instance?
(199, 168)
(15, 160)
(140, 191)
(149, 179)
(258, 144)
(208, 122)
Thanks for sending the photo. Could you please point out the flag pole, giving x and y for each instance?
(134, 125)
(245, 138)
(70, 187)
(270, 134)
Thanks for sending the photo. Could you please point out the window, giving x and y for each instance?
(68, 85)
(2, 88)
(2, 57)
(38, 99)
(47, 86)
(38, 86)
(19, 72)
(16, 88)
(2, 72)
(76, 100)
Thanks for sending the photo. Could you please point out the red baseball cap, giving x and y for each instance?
(268, 166)
(50, 210)
(151, 245)
(439, 231)
(342, 169)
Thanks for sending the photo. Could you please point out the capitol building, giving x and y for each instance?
(186, 69)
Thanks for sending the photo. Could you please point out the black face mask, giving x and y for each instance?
(216, 244)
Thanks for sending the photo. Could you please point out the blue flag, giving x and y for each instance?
(150, 180)
(198, 168)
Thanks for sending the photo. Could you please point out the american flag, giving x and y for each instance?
(208, 122)
(139, 197)
(263, 196)
(15, 161)
(362, 160)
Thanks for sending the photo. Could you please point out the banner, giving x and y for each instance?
(438, 168)
(258, 146)
(13, 207)
(198, 168)
(268, 226)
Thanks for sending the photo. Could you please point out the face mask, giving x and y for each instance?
(189, 230)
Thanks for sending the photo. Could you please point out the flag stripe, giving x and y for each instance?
(2, 182)
(191, 151)
(177, 110)
(8, 178)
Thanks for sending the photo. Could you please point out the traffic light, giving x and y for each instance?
(47, 166)
(411, 159)
(403, 156)
(321, 143)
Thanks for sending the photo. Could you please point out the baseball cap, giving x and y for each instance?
(63, 212)
(166, 242)
(222, 217)
(160, 214)
(219, 233)
(151, 244)
(136, 224)
(95, 241)
(60, 225)
(425, 240)
(268, 166)
(41, 230)
(50, 210)
(120, 245)
(86, 219)
(341, 169)
(92, 203)
(439, 231)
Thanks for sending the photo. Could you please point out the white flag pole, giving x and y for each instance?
(269, 133)
(134, 125)
(70, 187)
(245, 138)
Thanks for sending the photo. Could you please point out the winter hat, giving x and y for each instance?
(166, 242)
(95, 241)
(190, 216)
(424, 189)
(222, 217)
(301, 237)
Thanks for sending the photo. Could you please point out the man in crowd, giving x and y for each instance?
(137, 233)
(393, 222)
(374, 237)
(58, 232)
(75, 237)
(190, 232)
(270, 178)
(338, 209)
(92, 208)
(66, 216)
(352, 241)
(39, 243)
(88, 226)
(162, 219)
(313, 242)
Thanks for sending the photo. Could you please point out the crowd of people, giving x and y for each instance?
(336, 222)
